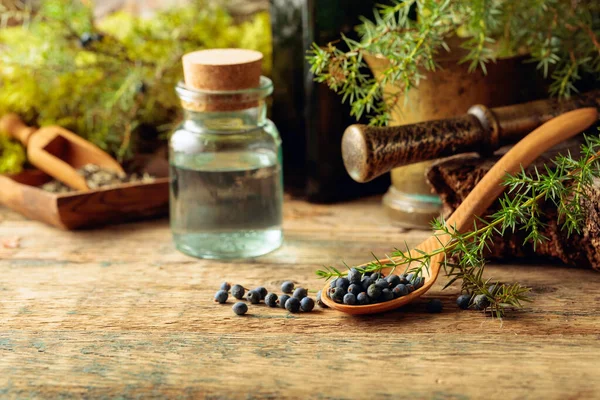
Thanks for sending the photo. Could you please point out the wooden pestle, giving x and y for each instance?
(57, 151)
(370, 151)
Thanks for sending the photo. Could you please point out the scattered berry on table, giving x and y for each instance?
(225, 286)
(354, 276)
(362, 299)
(240, 308)
(287, 287)
(493, 289)
(338, 295)
(393, 280)
(282, 299)
(387, 295)
(374, 292)
(319, 301)
(292, 305)
(355, 289)
(271, 300)
(307, 304)
(400, 290)
(253, 297)
(481, 302)
(463, 301)
(349, 299)
(342, 283)
(238, 291)
(221, 296)
(300, 293)
(262, 291)
(382, 284)
(435, 306)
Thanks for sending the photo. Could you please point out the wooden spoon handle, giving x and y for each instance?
(15, 127)
(521, 155)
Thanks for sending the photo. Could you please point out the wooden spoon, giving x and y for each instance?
(58, 152)
(481, 197)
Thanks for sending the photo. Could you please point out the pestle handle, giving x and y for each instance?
(370, 151)
(15, 127)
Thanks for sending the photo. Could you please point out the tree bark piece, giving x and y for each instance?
(453, 178)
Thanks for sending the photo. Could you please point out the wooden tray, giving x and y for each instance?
(116, 204)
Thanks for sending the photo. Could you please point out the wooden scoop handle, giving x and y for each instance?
(15, 127)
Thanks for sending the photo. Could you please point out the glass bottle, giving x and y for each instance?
(226, 192)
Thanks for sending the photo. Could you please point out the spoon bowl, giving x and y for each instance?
(481, 197)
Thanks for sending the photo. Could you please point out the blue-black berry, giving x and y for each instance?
(410, 287)
(400, 290)
(419, 282)
(338, 295)
(287, 287)
(493, 289)
(481, 302)
(342, 283)
(410, 278)
(320, 301)
(435, 306)
(271, 300)
(387, 295)
(221, 296)
(403, 278)
(393, 280)
(374, 292)
(375, 276)
(225, 286)
(300, 293)
(262, 291)
(253, 297)
(282, 299)
(365, 282)
(362, 299)
(292, 305)
(349, 299)
(355, 289)
(463, 301)
(382, 284)
(354, 276)
(240, 308)
(238, 291)
(307, 304)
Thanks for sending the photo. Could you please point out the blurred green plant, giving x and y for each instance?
(111, 81)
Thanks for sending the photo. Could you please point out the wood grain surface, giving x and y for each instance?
(119, 313)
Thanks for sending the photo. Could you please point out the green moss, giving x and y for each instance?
(117, 91)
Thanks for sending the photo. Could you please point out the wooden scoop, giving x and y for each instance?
(58, 152)
(483, 195)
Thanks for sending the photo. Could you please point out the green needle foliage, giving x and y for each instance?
(565, 185)
(111, 81)
(561, 36)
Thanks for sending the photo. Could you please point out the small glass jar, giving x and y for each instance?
(226, 192)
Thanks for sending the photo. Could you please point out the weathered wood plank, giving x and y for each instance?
(119, 313)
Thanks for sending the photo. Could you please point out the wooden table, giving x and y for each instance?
(119, 313)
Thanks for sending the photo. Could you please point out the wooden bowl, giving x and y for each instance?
(85, 209)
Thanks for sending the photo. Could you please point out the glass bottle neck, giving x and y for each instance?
(226, 121)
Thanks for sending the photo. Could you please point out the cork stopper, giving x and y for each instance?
(222, 70)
